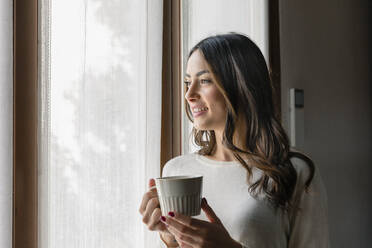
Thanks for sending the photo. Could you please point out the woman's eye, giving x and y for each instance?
(202, 81)
(205, 81)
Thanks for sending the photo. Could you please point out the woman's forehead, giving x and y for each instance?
(197, 65)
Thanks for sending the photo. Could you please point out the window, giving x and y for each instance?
(100, 139)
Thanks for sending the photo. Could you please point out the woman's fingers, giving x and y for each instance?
(187, 220)
(182, 238)
(183, 245)
(152, 216)
(150, 209)
(153, 223)
(152, 204)
(146, 198)
(181, 229)
(151, 182)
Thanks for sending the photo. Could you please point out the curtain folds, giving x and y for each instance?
(100, 119)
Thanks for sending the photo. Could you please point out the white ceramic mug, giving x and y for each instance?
(181, 194)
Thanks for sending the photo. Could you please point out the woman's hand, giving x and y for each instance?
(150, 210)
(195, 233)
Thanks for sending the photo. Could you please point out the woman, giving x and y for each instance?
(260, 193)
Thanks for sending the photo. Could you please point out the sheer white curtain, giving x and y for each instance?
(100, 117)
(6, 122)
(209, 17)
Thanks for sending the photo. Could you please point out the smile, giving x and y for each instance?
(199, 111)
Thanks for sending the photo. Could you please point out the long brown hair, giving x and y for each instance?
(243, 79)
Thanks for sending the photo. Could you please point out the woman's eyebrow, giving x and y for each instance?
(199, 73)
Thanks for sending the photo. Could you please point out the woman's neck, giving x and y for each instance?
(220, 152)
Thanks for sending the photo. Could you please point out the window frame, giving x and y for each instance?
(171, 130)
(25, 124)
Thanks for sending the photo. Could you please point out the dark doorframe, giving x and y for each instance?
(171, 130)
(274, 53)
(25, 112)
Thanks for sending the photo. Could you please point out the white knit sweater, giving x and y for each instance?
(251, 221)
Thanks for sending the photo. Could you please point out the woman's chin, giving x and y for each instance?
(202, 126)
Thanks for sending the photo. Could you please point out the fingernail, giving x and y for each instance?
(171, 214)
(162, 218)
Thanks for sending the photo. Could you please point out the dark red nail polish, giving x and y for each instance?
(163, 218)
(171, 214)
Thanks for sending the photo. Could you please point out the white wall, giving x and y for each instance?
(6, 121)
(211, 17)
(325, 50)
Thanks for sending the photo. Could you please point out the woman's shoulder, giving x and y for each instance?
(302, 166)
(307, 171)
(181, 159)
(177, 163)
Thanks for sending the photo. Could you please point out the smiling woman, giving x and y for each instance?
(204, 98)
(275, 196)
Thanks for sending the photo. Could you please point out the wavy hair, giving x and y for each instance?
(244, 80)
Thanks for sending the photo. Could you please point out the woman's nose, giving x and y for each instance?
(192, 93)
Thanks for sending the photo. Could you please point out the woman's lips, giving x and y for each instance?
(196, 114)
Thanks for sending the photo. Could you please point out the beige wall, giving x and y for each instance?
(326, 50)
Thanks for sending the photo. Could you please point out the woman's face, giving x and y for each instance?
(206, 102)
